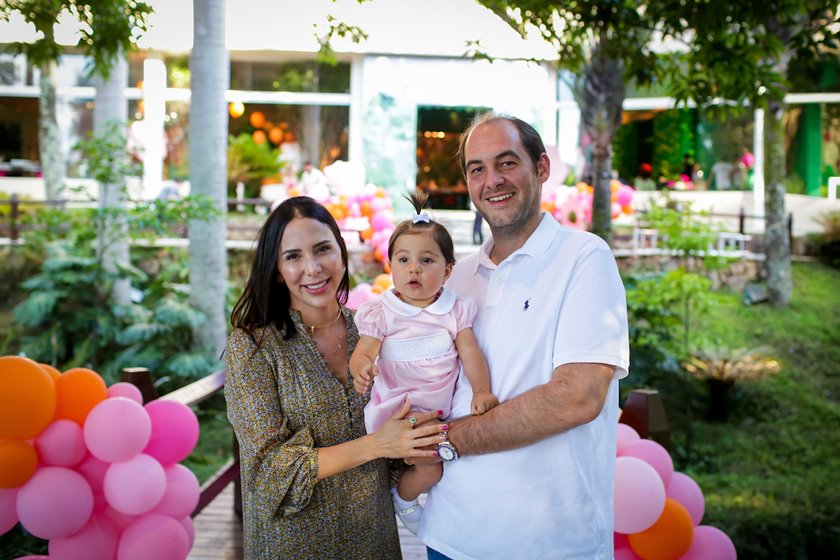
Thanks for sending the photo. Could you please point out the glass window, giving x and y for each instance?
(304, 76)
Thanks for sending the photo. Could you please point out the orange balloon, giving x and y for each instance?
(54, 373)
(383, 280)
(78, 391)
(366, 208)
(387, 267)
(259, 136)
(27, 398)
(627, 209)
(275, 135)
(257, 119)
(18, 460)
(377, 254)
(669, 537)
(366, 234)
(376, 289)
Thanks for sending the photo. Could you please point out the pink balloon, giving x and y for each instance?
(8, 509)
(135, 486)
(61, 444)
(93, 470)
(174, 431)
(381, 220)
(154, 536)
(624, 195)
(117, 429)
(189, 527)
(33, 557)
(652, 453)
(625, 435)
(127, 390)
(182, 492)
(710, 543)
(620, 540)
(360, 294)
(639, 495)
(686, 491)
(626, 554)
(119, 519)
(96, 541)
(54, 503)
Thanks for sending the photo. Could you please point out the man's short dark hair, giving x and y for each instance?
(528, 135)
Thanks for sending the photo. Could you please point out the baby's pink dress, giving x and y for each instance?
(418, 356)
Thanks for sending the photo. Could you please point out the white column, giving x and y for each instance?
(153, 141)
(758, 165)
(356, 144)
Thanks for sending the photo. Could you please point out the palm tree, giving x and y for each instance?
(209, 66)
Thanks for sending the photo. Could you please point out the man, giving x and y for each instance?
(313, 182)
(533, 477)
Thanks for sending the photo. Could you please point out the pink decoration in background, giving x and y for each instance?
(687, 492)
(61, 444)
(182, 492)
(96, 541)
(625, 435)
(626, 553)
(189, 527)
(710, 543)
(652, 453)
(174, 431)
(360, 294)
(117, 429)
(154, 536)
(639, 495)
(136, 486)
(8, 509)
(127, 390)
(54, 503)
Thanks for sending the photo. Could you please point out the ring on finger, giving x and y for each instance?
(413, 421)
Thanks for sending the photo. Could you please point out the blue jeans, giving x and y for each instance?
(433, 554)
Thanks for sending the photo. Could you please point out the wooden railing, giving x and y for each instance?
(190, 395)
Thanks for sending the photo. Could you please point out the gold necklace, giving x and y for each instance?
(313, 327)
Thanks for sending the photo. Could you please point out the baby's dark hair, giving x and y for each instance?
(441, 236)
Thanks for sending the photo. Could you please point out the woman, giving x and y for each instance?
(313, 484)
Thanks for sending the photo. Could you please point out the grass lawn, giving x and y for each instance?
(769, 472)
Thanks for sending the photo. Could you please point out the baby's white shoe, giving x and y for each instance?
(409, 512)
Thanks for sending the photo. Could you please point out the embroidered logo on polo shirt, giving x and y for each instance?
(527, 305)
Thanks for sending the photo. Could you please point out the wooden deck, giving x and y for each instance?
(218, 533)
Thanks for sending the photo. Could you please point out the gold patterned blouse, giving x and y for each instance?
(283, 403)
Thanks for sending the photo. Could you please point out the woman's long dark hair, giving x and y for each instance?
(266, 300)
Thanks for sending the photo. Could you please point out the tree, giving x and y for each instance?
(749, 53)
(108, 29)
(604, 45)
(210, 77)
(738, 52)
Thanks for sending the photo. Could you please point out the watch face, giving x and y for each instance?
(445, 452)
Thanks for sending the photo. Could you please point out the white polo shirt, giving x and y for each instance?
(558, 299)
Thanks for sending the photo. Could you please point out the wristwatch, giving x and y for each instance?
(446, 450)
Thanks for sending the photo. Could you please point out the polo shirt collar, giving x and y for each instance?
(536, 245)
(441, 306)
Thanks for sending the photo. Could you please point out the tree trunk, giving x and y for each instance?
(111, 106)
(777, 242)
(209, 67)
(49, 137)
(600, 96)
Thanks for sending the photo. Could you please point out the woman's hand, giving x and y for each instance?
(400, 437)
(483, 401)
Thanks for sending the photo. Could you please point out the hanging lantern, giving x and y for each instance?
(257, 119)
(236, 109)
(275, 135)
(259, 137)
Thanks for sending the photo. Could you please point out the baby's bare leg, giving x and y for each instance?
(418, 479)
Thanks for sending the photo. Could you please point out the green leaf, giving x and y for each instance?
(176, 313)
(36, 309)
(141, 332)
(191, 364)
